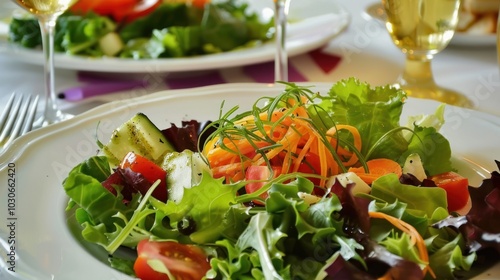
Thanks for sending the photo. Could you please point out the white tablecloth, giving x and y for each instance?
(365, 49)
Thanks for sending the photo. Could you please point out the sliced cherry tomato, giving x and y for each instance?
(149, 170)
(104, 8)
(456, 187)
(310, 164)
(183, 261)
(119, 10)
(199, 3)
(259, 173)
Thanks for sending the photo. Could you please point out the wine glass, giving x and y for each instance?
(421, 29)
(281, 8)
(47, 12)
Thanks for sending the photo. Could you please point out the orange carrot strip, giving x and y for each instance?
(353, 159)
(415, 237)
(377, 168)
(323, 163)
(305, 149)
(291, 150)
(291, 137)
(291, 134)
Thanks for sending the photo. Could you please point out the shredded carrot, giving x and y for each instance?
(292, 138)
(415, 237)
(303, 153)
(357, 141)
(377, 168)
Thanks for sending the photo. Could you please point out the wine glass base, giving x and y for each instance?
(438, 93)
(44, 121)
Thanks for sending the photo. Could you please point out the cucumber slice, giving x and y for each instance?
(138, 135)
(111, 44)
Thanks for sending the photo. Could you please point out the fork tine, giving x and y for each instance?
(21, 115)
(17, 118)
(28, 125)
(7, 128)
(6, 111)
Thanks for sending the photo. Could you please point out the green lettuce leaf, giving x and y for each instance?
(375, 112)
(419, 200)
(81, 34)
(207, 204)
(165, 16)
(83, 186)
(449, 259)
(433, 149)
(262, 237)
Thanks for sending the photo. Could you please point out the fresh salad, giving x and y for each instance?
(141, 29)
(304, 185)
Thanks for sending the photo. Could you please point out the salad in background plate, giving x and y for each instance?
(304, 186)
(144, 29)
(311, 26)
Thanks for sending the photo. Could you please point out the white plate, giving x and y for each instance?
(376, 11)
(46, 248)
(312, 27)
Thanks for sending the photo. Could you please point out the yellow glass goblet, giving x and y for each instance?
(421, 29)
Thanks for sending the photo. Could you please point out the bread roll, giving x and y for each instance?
(465, 20)
(481, 6)
(486, 24)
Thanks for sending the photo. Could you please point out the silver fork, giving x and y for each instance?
(17, 118)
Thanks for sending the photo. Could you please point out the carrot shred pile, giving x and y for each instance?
(415, 237)
(287, 134)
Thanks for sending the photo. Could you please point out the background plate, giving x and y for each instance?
(312, 26)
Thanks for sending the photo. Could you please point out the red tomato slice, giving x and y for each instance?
(456, 187)
(310, 164)
(149, 170)
(183, 261)
(100, 7)
(259, 173)
(199, 3)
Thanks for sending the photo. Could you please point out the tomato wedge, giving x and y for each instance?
(101, 7)
(259, 173)
(182, 261)
(149, 170)
(119, 10)
(456, 187)
(199, 3)
(311, 165)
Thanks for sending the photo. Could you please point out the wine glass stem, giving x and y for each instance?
(52, 113)
(418, 71)
(281, 59)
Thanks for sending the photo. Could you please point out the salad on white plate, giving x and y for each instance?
(303, 185)
(245, 35)
(148, 29)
